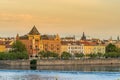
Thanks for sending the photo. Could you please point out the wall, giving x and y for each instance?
(59, 62)
(14, 62)
(76, 62)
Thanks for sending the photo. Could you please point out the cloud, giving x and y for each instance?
(7, 17)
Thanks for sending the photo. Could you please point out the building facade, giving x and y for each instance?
(51, 43)
(35, 42)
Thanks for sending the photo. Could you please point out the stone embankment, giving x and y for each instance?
(79, 62)
(60, 62)
(14, 63)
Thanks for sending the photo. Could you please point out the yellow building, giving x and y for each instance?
(99, 49)
(64, 48)
(94, 48)
(2, 48)
(88, 49)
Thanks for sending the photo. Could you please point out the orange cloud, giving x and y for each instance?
(15, 17)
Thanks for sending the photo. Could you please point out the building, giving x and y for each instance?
(51, 43)
(35, 42)
(32, 41)
(72, 47)
(6, 44)
(92, 47)
(75, 48)
(2, 46)
(68, 38)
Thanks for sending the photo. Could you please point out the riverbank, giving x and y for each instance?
(60, 62)
(79, 62)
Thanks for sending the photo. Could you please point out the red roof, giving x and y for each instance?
(89, 43)
(2, 43)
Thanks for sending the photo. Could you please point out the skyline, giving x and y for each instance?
(97, 18)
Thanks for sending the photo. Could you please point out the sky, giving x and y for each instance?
(97, 18)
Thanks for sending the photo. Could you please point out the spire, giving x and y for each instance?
(34, 31)
(17, 37)
(83, 36)
(118, 39)
(110, 38)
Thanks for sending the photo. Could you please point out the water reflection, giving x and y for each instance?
(56, 75)
(61, 72)
(82, 68)
(111, 68)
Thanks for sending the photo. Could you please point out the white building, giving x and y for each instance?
(75, 48)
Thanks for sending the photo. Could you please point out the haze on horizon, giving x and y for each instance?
(97, 18)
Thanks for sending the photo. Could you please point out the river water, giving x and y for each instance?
(68, 72)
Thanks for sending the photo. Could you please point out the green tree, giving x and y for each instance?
(66, 55)
(41, 54)
(92, 55)
(79, 55)
(111, 48)
(48, 54)
(18, 46)
(13, 56)
(99, 55)
(112, 55)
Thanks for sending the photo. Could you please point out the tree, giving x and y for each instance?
(18, 46)
(79, 55)
(66, 55)
(99, 55)
(13, 56)
(92, 55)
(112, 55)
(54, 55)
(48, 54)
(41, 54)
(111, 48)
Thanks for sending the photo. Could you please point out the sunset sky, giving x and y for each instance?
(97, 18)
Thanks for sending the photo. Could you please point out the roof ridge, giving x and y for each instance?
(34, 31)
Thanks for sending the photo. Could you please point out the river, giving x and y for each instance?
(68, 72)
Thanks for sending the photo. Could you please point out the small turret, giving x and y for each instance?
(17, 37)
(83, 36)
(118, 39)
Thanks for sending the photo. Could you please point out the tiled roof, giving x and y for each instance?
(48, 37)
(23, 37)
(68, 38)
(34, 31)
(70, 42)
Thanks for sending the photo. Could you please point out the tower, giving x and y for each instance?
(17, 37)
(83, 36)
(118, 39)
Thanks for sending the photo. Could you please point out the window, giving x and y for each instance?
(36, 46)
(58, 49)
(46, 45)
(30, 46)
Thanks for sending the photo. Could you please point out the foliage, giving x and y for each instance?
(92, 55)
(111, 48)
(79, 55)
(112, 51)
(100, 55)
(18, 46)
(112, 55)
(66, 55)
(13, 56)
(33, 62)
(48, 54)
